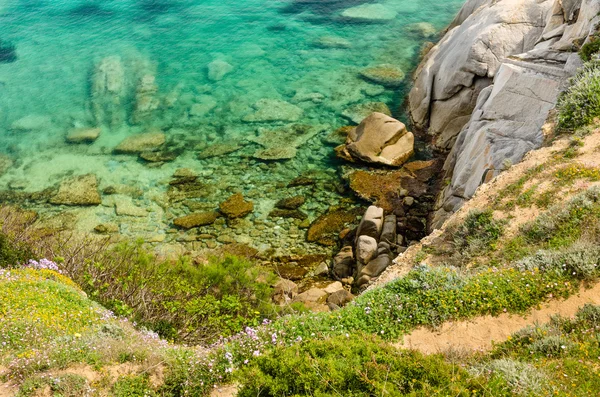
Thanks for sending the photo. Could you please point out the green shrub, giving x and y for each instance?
(579, 105)
(580, 260)
(551, 346)
(522, 378)
(68, 385)
(358, 365)
(133, 386)
(589, 49)
(479, 233)
(181, 301)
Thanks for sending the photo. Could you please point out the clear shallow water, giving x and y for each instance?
(274, 52)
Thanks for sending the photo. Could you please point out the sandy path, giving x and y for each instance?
(480, 332)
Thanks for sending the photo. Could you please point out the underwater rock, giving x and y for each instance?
(218, 69)
(273, 110)
(369, 13)
(332, 42)
(124, 206)
(283, 143)
(236, 207)
(380, 139)
(358, 112)
(196, 219)
(162, 156)
(32, 122)
(287, 213)
(107, 91)
(386, 75)
(139, 143)
(78, 190)
(314, 97)
(339, 136)
(5, 163)
(424, 29)
(83, 135)
(203, 106)
(146, 101)
(291, 203)
(326, 228)
(218, 149)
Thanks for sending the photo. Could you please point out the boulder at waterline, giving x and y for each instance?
(236, 207)
(196, 219)
(371, 223)
(135, 144)
(344, 263)
(325, 229)
(380, 139)
(83, 135)
(78, 190)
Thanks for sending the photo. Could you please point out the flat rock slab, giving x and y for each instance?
(139, 143)
(78, 190)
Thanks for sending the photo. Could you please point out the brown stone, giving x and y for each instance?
(340, 298)
(78, 190)
(139, 143)
(236, 207)
(291, 203)
(83, 135)
(295, 214)
(196, 219)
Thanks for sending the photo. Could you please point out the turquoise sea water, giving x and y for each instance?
(271, 50)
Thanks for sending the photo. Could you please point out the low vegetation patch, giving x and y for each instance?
(579, 105)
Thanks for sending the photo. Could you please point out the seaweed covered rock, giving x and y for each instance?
(196, 219)
(386, 75)
(236, 206)
(326, 228)
(135, 144)
(78, 190)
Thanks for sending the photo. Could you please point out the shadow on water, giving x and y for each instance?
(90, 10)
(322, 7)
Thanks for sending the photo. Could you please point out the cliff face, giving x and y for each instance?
(485, 90)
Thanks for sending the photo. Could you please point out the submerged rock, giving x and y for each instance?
(107, 91)
(372, 13)
(386, 75)
(358, 112)
(146, 100)
(218, 69)
(78, 190)
(83, 135)
(218, 149)
(332, 42)
(32, 122)
(139, 143)
(283, 143)
(273, 110)
(423, 29)
(291, 203)
(196, 219)
(380, 139)
(236, 207)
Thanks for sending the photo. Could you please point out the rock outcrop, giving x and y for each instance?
(485, 90)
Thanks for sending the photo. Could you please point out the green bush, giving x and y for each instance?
(358, 365)
(589, 49)
(580, 260)
(478, 234)
(522, 378)
(68, 385)
(579, 105)
(133, 386)
(181, 301)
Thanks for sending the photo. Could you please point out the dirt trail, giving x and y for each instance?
(479, 333)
